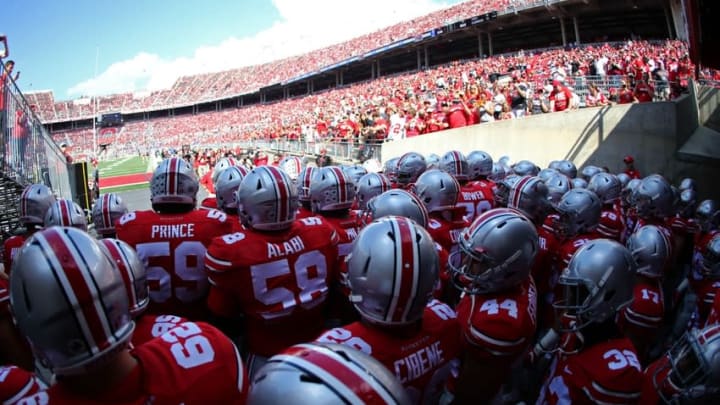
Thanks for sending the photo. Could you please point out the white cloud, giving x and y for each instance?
(304, 26)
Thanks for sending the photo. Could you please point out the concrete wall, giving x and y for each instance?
(650, 132)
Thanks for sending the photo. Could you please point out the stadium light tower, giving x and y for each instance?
(95, 106)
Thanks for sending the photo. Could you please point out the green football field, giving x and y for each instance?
(124, 174)
(123, 166)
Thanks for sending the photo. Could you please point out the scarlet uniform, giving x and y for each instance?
(206, 181)
(420, 360)
(446, 233)
(644, 316)
(704, 288)
(304, 213)
(498, 327)
(569, 247)
(11, 246)
(612, 223)
(545, 272)
(148, 327)
(476, 197)
(173, 246)
(347, 229)
(608, 373)
(279, 280)
(193, 363)
(16, 383)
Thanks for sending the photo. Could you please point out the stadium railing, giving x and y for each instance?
(342, 152)
(29, 153)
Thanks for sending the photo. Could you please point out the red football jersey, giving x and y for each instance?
(572, 245)
(11, 247)
(149, 326)
(446, 233)
(172, 247)
(304, 213)
(279, 280)
(644, 316)
(499, 326)
(347, 229)
(701, 241)
(420, 361)
(612, 223)
(476, 197)
(608, 372)
(193, 363)
(17, 383)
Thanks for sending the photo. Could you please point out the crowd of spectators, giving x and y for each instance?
(217, 85)
(413, 103)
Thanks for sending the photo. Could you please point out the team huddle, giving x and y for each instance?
(447, 279)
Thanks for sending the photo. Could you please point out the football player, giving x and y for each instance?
(595, 363)
(66, 213)
(474, 197)
(209, 181)
(303, 189)
(607, 187)
(688, 373)
(497, 311)
(71, 304)
(578, 217)
(292, 165)
(642, 319)
(325, 374)
(369, 186)
(277, 272)
(34, 202)
(106, 210)
(134, 277)
(17, 383)
(409, 167)
(171, 239)
(226, 189)
(438, 191)
(402, 327)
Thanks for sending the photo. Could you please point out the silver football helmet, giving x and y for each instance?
(496, 252)
(498, 172)
(653, 198)
(530, 196)
(66, 213)
(221, 165)
(650, 249)
(547, 173)
(69, 300)
(355, 172)
(687, 183)
(710, 265)
(304, 180)
(105, 211)
(557, 186)
(331, 189)
(438, 190)
(409, 167)
(578, 212)
(398, 203)
(392, 270)
(694, 369)
(579, 182)
(606, 186)
(455, 163)
(480, 164)
(35, 200)
(372, 166)
(597, 283)
(627, 192)
(174, 182)
(624, 179)
(292, 165)
(589, 171)
(567, 168)
(501, 192)
(325, 374)
(707, 215)
(133, 273)
(687, 204)
(433, 161)
(267, 199)
(390, 169)
(525, 168)
(369, 186)
(227, 185)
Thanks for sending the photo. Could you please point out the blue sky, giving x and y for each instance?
(146, 45)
